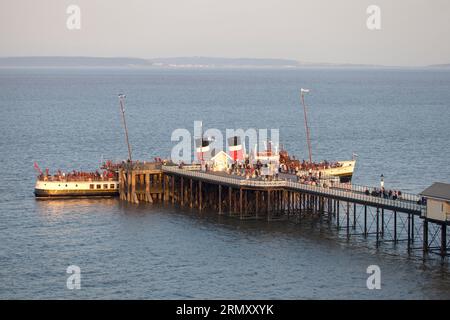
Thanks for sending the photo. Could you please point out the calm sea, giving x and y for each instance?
(396, 120)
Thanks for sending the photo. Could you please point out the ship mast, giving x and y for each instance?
(308, 140)
(122, 109)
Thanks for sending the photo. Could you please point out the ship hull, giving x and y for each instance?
(39, 193)
(345, 178)
(344, 172)
(58, 189)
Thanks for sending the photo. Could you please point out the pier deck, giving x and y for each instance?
(353, 194)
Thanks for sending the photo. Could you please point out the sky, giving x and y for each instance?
(413, 32)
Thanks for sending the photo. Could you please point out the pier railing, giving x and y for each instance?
(343, 191)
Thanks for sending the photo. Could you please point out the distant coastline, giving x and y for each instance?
(175, 62)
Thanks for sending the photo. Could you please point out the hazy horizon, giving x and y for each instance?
(413, 32)
(61, 61)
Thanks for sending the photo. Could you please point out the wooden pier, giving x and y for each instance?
(349, 209)
(140, 182)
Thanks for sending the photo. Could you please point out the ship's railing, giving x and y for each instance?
(76, 179)
(341, 190)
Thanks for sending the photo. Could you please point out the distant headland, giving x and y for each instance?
(173, 62)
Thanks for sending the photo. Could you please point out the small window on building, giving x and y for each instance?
(117, 186)
(442, 207)
(76, 186)
(111, 186)
(91, 186)
(105, 186)
(66, 185)
(99, 186)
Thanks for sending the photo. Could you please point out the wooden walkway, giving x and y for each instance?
(353, 194)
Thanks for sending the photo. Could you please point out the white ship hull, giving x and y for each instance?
(344, 172)
(58, 189)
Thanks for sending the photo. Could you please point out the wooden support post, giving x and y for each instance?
(425, 235)
(409, 232)
(337, 213)
(129, 186)
(220, 199)
(245, 202)
(122, 185)
(348, 219)
(256, 203)
(365, 221)
(378, 225)
(235, 201)
(230, 202)
(240, 202)
(200, 204)
(182, 191)
(173, 189)
(160, 182)
(148, 195)
(395, 227)
(133, 188)
(289, 202)
(141, 189)
(443, 239)
(166, 188)
(190, 193)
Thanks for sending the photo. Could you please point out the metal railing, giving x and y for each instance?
(345, 191)
(351, 194)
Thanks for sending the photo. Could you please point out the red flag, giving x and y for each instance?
(36, 167)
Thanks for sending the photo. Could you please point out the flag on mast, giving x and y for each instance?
(36, 167)
(236, 148)
(304, 90)
(202, 148)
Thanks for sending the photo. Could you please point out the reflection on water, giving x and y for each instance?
(56, 207)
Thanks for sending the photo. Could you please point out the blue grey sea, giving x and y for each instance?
(396, 120)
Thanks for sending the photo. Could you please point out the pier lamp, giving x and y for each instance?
(382, 181)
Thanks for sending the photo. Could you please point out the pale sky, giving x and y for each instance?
(413, 32)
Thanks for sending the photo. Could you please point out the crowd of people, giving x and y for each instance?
(259, 170)
(383, 193)
(294, 166)
(77, 176)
